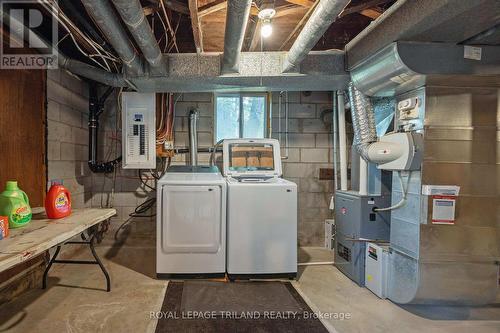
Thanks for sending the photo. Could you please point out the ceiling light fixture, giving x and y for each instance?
(267, 28)
(266, 13)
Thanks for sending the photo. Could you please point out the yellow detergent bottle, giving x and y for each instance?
(15, 205)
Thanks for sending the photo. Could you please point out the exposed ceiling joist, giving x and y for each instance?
(212, 7)
(255, 42)
(362, 7)
(288, 10)
(298, 27)
(371, 13)
(303, 3)
(250, 33)
(150, 10)
(196, 25)
(174, 5)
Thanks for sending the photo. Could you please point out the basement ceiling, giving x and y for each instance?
(200, 24)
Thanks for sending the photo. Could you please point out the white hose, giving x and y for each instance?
(402, 202)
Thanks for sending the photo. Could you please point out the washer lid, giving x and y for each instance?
(251, 158)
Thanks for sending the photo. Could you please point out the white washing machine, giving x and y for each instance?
(191, 223)
(261, 211)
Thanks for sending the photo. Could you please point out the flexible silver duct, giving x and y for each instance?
(236, 22)
(132, 14)
(363, 121)
(105, 17)
(193, 137)
(323, 16)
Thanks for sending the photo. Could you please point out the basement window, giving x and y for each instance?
(240, 116)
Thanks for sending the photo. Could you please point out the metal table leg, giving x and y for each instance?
(97, 261)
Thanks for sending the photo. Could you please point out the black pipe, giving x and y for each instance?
(96, 107)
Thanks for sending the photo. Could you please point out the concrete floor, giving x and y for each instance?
(76, 301)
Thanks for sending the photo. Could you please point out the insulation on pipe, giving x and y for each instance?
(363, 121)
(236, 22)
(105, 17)
(90, 72)
(132, 14)
(323, 16)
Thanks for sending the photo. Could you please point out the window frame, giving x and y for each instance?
(240, 119)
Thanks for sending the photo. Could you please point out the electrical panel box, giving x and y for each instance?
(138, 130)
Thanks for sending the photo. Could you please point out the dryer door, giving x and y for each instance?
(191, 219)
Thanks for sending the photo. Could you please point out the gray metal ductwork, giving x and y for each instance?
(441, 21)
(91, 72)
(132, 14)
(105, 17)
(323, 16)
(193, 137)
(403, 66)
(236, 22)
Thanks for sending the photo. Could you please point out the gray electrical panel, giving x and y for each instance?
(356, 223)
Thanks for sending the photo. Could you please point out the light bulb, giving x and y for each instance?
(267, 29)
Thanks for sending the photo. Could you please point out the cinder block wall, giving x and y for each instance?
(67, 135)
(309, 149)
(122, 190)
(67, 148)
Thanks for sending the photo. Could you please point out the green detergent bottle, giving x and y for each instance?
(15, 205)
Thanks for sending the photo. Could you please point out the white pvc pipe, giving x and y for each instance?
(342, 141)
(363, 176)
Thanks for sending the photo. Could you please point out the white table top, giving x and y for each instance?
(41, 234)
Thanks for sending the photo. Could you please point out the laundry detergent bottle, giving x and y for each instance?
(15, 205)
(57, 201)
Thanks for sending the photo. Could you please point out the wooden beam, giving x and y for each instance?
(255, 43)
(174, 5)
(371, 13)
(196, 25)
(288, 10)
(303, 3)
(150, 10)
(299, 26)
(363, 6)
(249, 33)
(212, 8)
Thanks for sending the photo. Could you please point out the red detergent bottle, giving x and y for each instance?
(58, 201)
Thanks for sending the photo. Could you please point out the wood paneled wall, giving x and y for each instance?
(23, 131)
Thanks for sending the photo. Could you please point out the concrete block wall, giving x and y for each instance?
(204, 103)
(309, 149)
(67, 135)
(122, 190)
(67, 149)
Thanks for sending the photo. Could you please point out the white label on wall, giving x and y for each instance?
(472, 52)
(440, 190)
